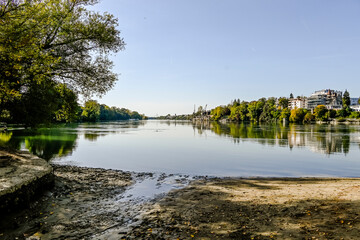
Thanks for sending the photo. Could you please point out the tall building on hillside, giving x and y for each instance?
(330, 98)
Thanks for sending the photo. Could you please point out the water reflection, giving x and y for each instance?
(326, 139)
(45, 143)
(62, 140)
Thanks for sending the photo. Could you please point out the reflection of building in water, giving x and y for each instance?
(296, 139)
(325, 139)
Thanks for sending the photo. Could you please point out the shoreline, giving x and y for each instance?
(91, 203)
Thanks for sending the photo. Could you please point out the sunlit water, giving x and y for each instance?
(212, 149)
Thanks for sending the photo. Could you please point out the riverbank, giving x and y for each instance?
(75, 208)
(297, 208)
(88, 203)
(23, 177)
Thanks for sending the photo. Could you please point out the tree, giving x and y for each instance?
(68, 108)
(51, 41)
(285, 114)
(358, 101)
(91, 111)
(309, 117)
(219, 112)
(283, 102)
(255, 109)
(297, 115)
(320, 113)
(346, 99)
(291, 96)
(268, 110)
(346, 110)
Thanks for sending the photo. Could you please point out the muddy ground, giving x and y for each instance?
(89, 204)
(83, 202)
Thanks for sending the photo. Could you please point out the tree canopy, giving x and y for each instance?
(44, 43)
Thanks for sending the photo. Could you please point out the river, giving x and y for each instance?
(214, 149)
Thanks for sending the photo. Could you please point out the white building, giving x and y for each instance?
(297, 103)
(356, 108)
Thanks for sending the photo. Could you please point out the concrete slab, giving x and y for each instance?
(23, 177)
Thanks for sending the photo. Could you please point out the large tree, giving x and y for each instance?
(47, 42)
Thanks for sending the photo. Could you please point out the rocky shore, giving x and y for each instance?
(88, 203)
(23, 177)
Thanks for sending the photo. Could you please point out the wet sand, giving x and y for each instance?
(89, 203)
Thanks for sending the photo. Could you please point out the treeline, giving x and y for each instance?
(64, 109)
(175, 117)
(272, 109)
(93, 112)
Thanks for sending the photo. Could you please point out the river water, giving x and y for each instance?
(241, 150)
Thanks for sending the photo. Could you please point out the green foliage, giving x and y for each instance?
(346, 99)
(297, 115)
(268, 111)
(321, 113)
(332, 113)
(358, 101)
(37, 104)
(283, 102)
(355, 115)
(344, 112)
(255, 109)
(239, 113)
(50, 41)
(285, 114)
(219, 112)
(91, 111)
(309, 117)
(68, 108)
(291, 95)
(235, 103)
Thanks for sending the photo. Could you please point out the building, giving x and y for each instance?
(297, 103)
(356, 108)
(354, 101)
(330, 98)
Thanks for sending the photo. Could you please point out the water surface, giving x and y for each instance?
(211, 149)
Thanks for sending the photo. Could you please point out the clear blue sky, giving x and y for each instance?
(185, 52)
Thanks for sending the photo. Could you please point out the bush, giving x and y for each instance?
(355, 115)
(309, 117)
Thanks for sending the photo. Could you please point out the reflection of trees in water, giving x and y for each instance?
(92, 131)
(112, 125)
(45, 143)
(60, 140)
(91, 136)
(326, 139)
